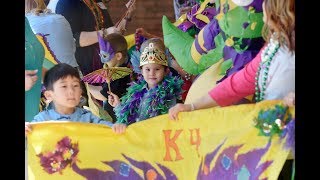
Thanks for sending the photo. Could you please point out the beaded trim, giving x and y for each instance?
(267, 56)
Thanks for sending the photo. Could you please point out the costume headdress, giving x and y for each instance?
(106, 50)
(152, 54)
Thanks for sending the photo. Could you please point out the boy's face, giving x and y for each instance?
(66, 92)
(153, 74)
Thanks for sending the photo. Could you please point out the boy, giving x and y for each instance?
(151, 95)
(113, 52)
(62, 83)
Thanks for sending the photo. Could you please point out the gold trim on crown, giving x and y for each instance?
(154, 55)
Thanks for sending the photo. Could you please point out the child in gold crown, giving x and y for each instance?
(151, 95)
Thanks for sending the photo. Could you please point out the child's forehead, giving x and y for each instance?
(68, 78)
(152, 65)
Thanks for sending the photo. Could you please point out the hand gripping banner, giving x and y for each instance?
(237, 142)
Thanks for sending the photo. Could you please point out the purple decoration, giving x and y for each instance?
(185, 26)
(198, 47)
(241, 59)
(290, 132)
(227, 167)
(122, 170)
(210, 12)
(106, 50)
(245, 25)
(210, 31)
(256, 4)
(92, 173)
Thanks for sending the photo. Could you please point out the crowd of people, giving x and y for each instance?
(75, 30)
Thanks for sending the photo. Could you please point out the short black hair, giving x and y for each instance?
(59, 71)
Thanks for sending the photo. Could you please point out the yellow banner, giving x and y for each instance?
(215, 143)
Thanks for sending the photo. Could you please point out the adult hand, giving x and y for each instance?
(119, 128)
(174, 111)
(30, 78)
(184, 10)
(111, 30)
(113, 99)
(289, 100)
(142, 32)
(27, 128)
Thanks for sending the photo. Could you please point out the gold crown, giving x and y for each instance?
(154, 55)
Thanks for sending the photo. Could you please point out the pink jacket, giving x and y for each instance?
(238, 85)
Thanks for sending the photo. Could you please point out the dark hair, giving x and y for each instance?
(59, 71)
(118, 43)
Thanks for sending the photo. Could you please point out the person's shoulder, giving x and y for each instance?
(41, 116)
(83, 111)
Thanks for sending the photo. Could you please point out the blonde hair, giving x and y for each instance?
(36, 7)
(280, 16)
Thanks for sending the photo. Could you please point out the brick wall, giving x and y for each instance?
(148, 14)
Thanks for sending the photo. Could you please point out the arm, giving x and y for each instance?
(204, 102)
(97, 120)
(73, 11)
(238, 85)
(229, 91)
(95, 91)
(144, 33)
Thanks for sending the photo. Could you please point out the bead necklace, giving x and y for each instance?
(266, 57)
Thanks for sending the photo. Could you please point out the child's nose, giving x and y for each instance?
(71, 90)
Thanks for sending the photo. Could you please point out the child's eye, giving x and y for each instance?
(76, 85)
(64, 86)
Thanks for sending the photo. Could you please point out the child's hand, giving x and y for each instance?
(289, 100)
(113, 99)
(119, 128)
(142, 32)
(27, 128)
(174, 111)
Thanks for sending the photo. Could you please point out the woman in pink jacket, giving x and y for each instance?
(270, 75)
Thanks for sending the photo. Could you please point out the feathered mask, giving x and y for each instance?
(106, 51)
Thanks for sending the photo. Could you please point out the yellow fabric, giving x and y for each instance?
(47, 53)
(145, 141)
(181, 19)
(205, 82)
(196, 56)
(130, 40)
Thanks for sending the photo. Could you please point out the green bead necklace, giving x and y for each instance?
(266, 57)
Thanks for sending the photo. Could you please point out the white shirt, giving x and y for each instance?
(281, 76)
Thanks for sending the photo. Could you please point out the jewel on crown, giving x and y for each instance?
(151, 54)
